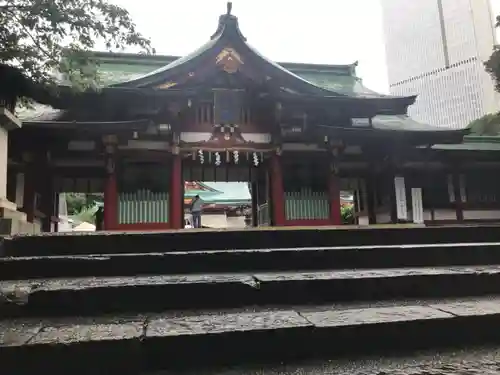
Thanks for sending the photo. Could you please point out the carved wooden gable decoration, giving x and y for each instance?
(229, 60)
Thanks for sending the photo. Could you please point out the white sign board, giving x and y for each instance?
(400, 188)
(417, 205)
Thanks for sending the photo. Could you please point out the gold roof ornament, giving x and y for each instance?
(166, 85)
(229, 60)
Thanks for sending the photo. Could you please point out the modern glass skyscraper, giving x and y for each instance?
(436, 50)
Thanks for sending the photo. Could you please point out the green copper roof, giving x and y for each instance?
(484, 136)
(139, 71)
(231, 191)
(115, 68)
(487, 125)
(204, 193)
(404, 123)
(469, 146)
(473, 143)
(223, 193)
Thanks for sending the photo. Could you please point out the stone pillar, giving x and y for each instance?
(11, 220)
(7, 122)
(277, 191)
(4, 137)
(176, 218)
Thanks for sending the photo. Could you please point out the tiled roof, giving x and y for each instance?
(329, 77)
(225, 192)
(403, 123)
(473, 143)
(37, 112)
(231, 191)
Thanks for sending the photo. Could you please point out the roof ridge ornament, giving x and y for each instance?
(228, 23)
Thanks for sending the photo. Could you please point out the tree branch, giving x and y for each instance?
(13, 7)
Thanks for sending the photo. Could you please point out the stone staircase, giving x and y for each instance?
(126, 303)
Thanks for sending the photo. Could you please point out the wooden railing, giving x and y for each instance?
(143, 206)
(204, 114)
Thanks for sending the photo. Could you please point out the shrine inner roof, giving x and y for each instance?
(231, 190)
(131, 71)
(115, 68)
(229, 37)
(404, 123)
(222, 192)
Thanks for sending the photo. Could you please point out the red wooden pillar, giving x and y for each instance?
(277, 191)
(176, 199)
(334, 195)
(110, 196)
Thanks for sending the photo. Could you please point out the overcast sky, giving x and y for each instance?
(312, 31)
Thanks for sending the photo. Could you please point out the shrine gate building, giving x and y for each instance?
(227, 113)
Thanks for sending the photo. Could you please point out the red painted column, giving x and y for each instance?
(334, 194)
(176, 200)
(277, 191)
(110, 196)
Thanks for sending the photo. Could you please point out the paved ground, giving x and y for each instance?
(480, 361)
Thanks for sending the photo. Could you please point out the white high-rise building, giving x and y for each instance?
(436, 50)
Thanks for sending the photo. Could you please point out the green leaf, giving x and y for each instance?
(493, 64)
(487, 125)
(44, 36)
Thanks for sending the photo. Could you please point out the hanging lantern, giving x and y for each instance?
(217, 159)
(201, 156)
(236, 156)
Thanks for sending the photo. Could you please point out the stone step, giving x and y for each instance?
(196, 339)
(189, 240)
(97, 295)
(440, 361)
(251, 260)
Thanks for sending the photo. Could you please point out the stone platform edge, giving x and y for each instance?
(75, 330)
(93, 296)
(256, 229)
(230, 336)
